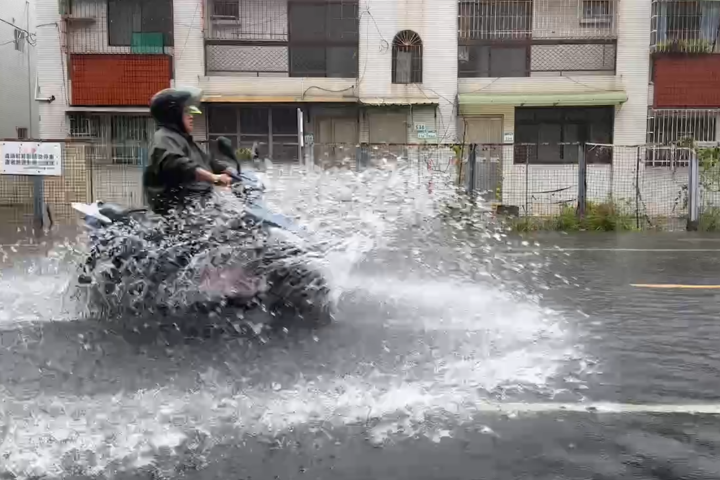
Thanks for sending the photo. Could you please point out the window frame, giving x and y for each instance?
(168, 40)
(504, 46)
(591, 17)
(415, 75)
(351, 39)
(269, 140)
(565, 118)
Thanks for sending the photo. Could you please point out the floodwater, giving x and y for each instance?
(456, 354)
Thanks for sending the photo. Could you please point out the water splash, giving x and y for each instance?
(418, 348)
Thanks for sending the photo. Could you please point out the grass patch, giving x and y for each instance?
(709, 220)
(599, 217)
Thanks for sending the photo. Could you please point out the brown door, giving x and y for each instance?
(337, 141)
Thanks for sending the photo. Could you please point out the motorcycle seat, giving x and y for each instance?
(115, 212)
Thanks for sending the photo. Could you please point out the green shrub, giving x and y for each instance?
(244, 154)
(599, 217)
(709, 220)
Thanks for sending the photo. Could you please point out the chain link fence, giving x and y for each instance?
(590, 186)
(558, 186)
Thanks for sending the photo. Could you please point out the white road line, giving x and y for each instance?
(601, 407)
(588, 249)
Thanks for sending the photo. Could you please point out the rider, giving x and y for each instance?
(179, 171)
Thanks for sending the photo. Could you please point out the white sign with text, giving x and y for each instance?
(31, 158)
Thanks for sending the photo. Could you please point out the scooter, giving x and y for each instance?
(131, 265)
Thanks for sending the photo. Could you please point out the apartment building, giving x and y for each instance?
(356, 71)
(684, 102)
(18, 111)
(491, 71)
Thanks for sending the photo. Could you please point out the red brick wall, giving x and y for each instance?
(118, 80)
(687, 81)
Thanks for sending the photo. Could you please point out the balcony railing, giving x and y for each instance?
(671, 131)
(536, 19)
(680, 126)
(282, 38)
(685, 26)
(118, 26)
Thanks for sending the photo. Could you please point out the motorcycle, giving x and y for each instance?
(131, 264)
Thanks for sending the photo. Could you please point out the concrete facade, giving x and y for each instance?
(374, 102)
(17, 51)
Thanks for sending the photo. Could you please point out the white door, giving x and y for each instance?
(487, 134)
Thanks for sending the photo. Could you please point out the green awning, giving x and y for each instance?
(472, 103)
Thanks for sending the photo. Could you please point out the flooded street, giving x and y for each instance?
(454, 355)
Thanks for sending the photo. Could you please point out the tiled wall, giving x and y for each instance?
(113, 80)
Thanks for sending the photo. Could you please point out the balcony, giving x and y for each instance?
(523, 38)
(687, 27)
(282, 38)
(119, 51)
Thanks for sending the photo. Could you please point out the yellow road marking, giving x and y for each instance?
(665, 285)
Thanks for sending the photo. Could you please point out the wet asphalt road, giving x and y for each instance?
(646, 347)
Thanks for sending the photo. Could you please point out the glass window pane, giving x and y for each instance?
(550, 134)
(222, 120)
(342, 21)
(303, 22)
(157, 17)
(284, 121)
(342, 62)
(307, 62)
(474, 61)
(508, 62)
(254, 121)
(123, 18)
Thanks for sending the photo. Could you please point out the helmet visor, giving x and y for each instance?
(192, 104)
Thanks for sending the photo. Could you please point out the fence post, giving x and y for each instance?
(38, 201)
(472, 168)
(693, 192)
(582, 182)
(637, 187)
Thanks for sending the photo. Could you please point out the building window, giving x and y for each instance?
(146, 25)
(323, 38)
(595, 11)
(541, 132)
(407, 56)
(22, 133)
(225, 9)
(683, 23)
(272, 130)
(124, 139)
(19, 40)
(493, 61)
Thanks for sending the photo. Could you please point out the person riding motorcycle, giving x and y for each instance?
(179, 172)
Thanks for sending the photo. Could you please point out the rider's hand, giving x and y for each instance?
(223, 179)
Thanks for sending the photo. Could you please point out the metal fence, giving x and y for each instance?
(537, 184)
(545, 185)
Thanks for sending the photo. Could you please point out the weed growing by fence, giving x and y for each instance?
(605, 216)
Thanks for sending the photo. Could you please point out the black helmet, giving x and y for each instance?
(167, 106)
